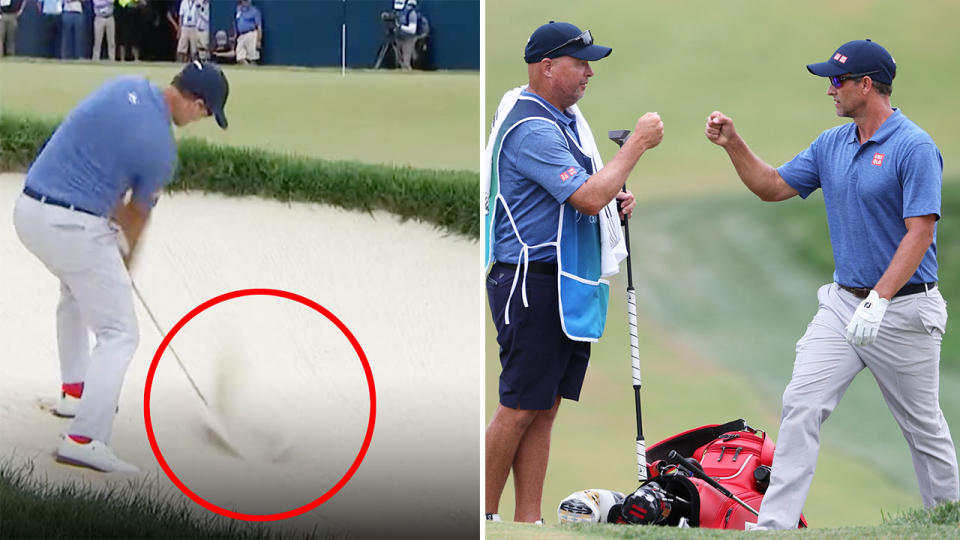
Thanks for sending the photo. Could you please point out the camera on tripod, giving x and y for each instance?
(388, 19)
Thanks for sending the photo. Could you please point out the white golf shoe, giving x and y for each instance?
(67, 406)
(94, 454)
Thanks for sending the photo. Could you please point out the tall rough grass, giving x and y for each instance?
(448, 199)
(32, 508)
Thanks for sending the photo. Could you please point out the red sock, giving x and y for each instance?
(81, 439)
(72, 389)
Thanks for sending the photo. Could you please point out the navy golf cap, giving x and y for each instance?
(544, 43)
(856, 57)
(207, 81)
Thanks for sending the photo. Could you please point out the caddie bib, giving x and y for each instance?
(583, 294)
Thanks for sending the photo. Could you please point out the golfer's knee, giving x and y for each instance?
(122, 338)
(801, 412)
(516, 418)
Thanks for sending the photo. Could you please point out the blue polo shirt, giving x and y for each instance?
(537, 172)
(117, 139)
(247, 19)
(869, 190)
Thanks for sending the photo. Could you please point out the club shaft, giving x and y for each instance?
(170, 348)
(698, 472)
(619, 138)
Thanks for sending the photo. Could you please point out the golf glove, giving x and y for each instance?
(865, 323)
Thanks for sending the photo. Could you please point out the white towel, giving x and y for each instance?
(613, 249)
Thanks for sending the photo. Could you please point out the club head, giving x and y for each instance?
(618, 136)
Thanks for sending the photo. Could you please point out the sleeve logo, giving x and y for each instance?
(878, 159)
(565, 175)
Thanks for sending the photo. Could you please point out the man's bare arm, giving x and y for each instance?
(908, 256)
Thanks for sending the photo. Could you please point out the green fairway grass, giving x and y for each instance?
(422, 119)
(726, 284)
(745, 58)
(594, 440)
(939, 522)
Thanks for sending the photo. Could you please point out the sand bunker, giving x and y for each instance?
(284, 382)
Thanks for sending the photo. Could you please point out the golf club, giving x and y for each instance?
(619, 136)
(212, 422)
(695, 470)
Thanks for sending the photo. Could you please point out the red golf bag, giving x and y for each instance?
(735, 455)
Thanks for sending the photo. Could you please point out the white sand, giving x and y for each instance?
(282, 379)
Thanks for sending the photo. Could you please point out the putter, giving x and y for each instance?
(212, 422)
(695, 470)
(619, 136)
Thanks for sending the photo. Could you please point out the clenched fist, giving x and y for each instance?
(649, 130)
(720, 128)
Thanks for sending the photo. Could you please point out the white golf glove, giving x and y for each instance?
(865, 323)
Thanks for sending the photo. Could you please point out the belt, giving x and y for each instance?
(49, 200)
(537, 267)
(913, 288)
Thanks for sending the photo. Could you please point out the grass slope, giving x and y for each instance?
(424, 120)
(725, 287)
(444, 198)
(593, 441)
(746, 58)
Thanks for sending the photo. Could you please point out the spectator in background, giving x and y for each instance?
(128, 22)
(51, 26)
(248, 25)
(103, 24)
(10, 10)
(71, 35)
(186, 31)
(223, 50)
(408, 30)
(202, 8)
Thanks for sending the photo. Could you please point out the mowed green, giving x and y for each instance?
(424, 119)
(745, 58)
(726, 284)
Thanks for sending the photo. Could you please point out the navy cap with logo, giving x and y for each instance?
(556, 39)
(858, 57)
(207, 81)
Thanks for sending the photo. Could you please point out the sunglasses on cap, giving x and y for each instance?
(837, 81)
(585, 39)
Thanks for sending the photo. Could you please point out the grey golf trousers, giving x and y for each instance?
(905, 360)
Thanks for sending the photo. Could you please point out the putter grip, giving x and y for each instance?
(695, 469)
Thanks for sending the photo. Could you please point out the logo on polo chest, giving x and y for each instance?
(878, 159)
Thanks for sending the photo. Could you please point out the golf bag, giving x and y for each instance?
(734, 455)
(737, 456)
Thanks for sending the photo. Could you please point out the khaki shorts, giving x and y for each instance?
(202, 43)
(247, 47)
(188, 40)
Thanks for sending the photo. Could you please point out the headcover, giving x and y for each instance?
(589, 506)
(648, 505)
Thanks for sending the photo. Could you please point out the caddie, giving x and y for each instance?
(93, 185)
(881, 179)
(552, 235)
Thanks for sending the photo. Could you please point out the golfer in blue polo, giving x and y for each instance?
(881, 177)
(87, 198)
(552, 235)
